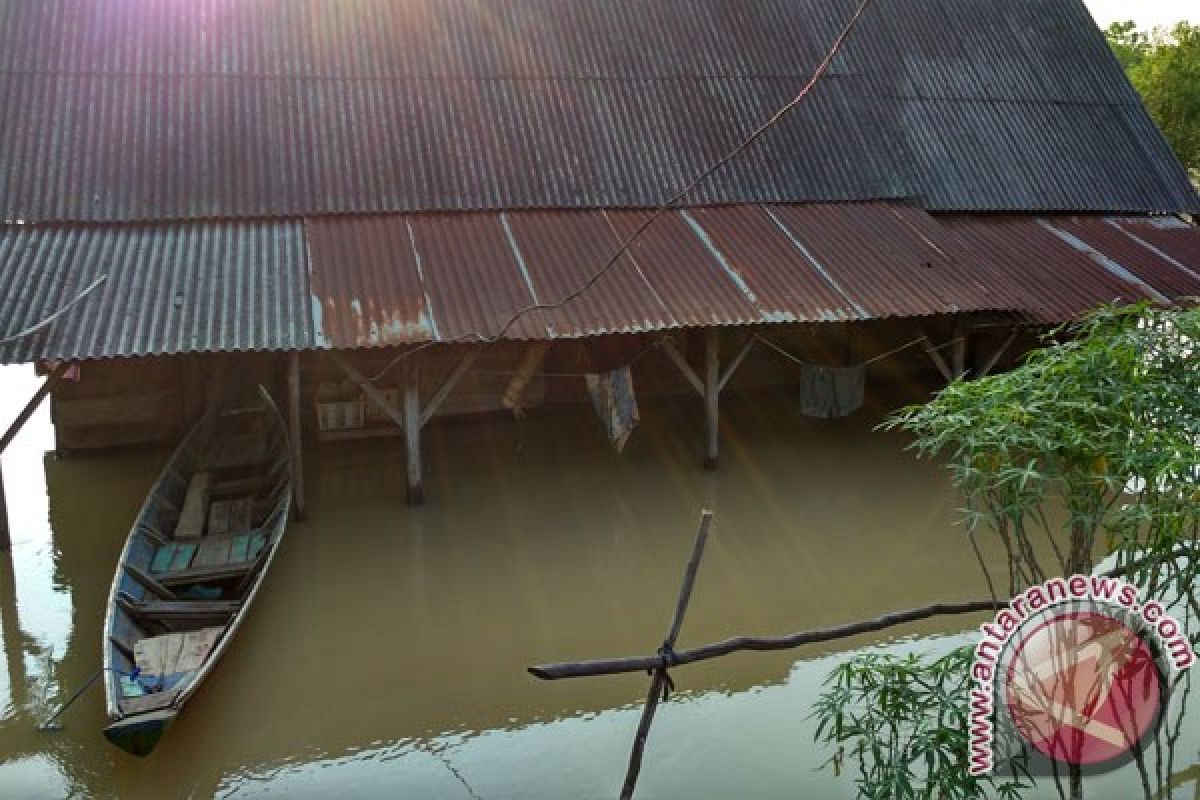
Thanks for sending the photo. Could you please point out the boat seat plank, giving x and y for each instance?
(167, 610)
(150, 583)
(213, 552)
(243, 550)
(249, 486)
(191, 518)
(172, 556)
(228, 516)
(237, 453)
(148, 702)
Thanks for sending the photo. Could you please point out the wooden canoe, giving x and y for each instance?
(199, 550)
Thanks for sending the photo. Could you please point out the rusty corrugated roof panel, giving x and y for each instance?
(1109, 240)
(170, 288)
(367, 291)
(388, 280)
(1053, 278)
(475, 282)
(121, 110)
(891, 259)
(775, 265)
(697, 288)
(563, 251)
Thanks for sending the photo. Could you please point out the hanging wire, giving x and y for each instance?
(50, 319)
(869, 361)
(658, 212)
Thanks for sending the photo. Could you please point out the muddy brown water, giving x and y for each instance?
(386, 655)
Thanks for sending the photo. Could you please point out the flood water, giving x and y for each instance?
(386, 653)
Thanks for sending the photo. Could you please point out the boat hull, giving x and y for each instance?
(139, 734)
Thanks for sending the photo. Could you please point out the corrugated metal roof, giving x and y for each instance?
(170, 288)
(143, 109)
(374, 281)
(1059, 267)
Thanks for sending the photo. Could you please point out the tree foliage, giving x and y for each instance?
(1090, 445)
(1164, 66)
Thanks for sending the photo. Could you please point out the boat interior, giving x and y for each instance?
(198, 547)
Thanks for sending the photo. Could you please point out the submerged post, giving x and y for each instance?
(295, 432)
(11, 433)
(5, 535)
(412, 434)
(712, 393)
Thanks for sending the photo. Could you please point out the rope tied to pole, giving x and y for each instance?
(669, 660)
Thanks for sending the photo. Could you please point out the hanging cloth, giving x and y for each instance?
(830, 392)
(615, 403)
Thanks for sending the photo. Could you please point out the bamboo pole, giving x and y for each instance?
(616, 666)
(11, 433)
(712, 394)
(412, 434)
(661, 681)
(295, 432)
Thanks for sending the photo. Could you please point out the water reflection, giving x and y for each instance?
(386, 654)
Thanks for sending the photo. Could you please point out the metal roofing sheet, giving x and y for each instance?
(140, 109)
(169, 288)
(373, 281)
(1054, 278)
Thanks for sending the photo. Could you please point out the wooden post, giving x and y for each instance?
(5, 535)
(958, 351)
(14, 639)
(11, 433)
(412, 434)
(295, 432)
(712, 393)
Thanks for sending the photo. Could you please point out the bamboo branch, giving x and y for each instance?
(661, 683)
(616, 666)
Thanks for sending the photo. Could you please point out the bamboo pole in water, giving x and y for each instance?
(11, 433)
(661, 683)
(616, 666)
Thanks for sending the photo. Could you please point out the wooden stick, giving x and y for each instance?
(712, 396)
(369, 389)
(32, 405)
(448, 385)
(661, 681)
(736, 362)
(616, 666)
(995, 357)
(683, 366)
(295, 432)
(412, 434)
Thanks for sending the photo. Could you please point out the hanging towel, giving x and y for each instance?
(615, 404)
(829, 392)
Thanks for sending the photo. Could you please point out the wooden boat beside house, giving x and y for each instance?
(191, 567)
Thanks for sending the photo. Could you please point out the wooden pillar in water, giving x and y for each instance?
(412, 434)
(712, 394)
(295, 432)
(5, 535)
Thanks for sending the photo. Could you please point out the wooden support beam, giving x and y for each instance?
(295, 433)
(412, 433)
(5, 534)
(736, 362)
(990, 364)
(11, 433)
(958, 352)
(712, 394)
(32, 405)
(684, 367)
(448, 385)
(936, 358)
(373, 394)
(14, 638)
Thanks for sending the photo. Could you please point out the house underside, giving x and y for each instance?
(391, 211)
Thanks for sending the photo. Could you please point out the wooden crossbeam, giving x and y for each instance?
(448, 385)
